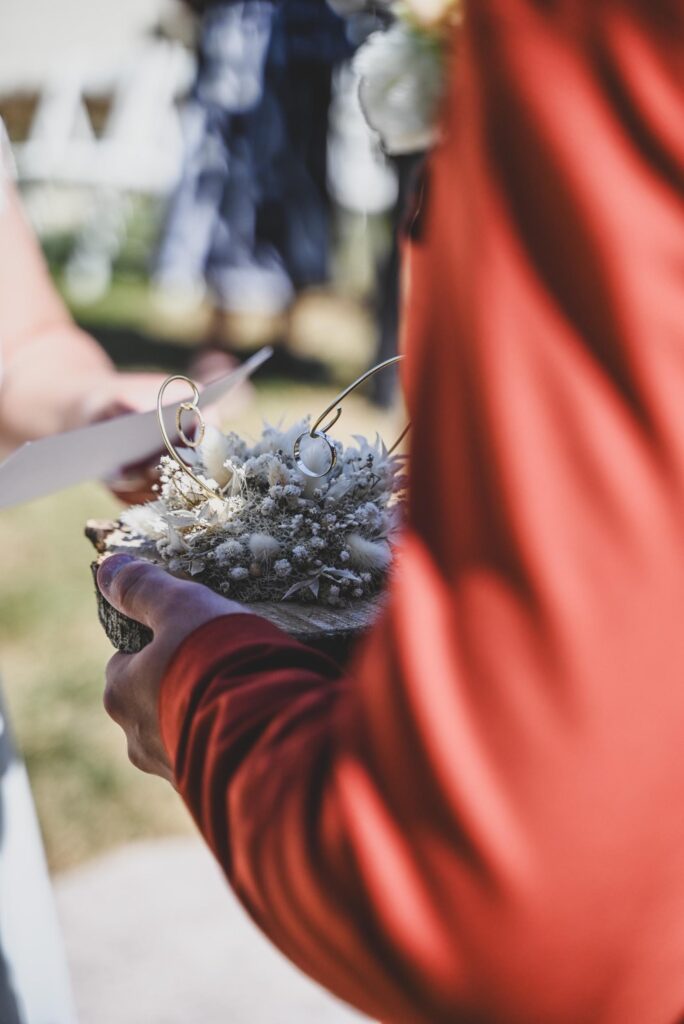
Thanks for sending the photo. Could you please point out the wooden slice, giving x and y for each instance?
(333, 631)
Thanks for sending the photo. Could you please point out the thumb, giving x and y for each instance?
(136, 588)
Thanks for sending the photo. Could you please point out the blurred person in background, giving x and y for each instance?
(53, 377)
(250, 216)
(481, 820)
(364, 18)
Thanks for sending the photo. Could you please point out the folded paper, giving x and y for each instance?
(99, 451)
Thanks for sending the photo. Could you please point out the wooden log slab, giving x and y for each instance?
(333, 631)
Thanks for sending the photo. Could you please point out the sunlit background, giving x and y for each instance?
(171, 241)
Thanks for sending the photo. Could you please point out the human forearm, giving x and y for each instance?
(48, 366)
(262, 734)
(52, 381)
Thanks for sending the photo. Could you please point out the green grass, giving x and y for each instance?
(53, 654)
(53, 658)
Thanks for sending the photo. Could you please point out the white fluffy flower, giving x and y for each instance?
(174, 543)
(215, 451)
(401, 85)
(146, 520)
(369, 554)
(229, 551)
(263, 547)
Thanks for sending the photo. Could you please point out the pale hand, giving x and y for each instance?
(115, 395)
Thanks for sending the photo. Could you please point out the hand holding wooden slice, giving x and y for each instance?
(333, 631)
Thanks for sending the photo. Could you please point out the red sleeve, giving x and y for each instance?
(482, 823)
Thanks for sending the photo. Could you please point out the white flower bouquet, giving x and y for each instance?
(272, 533)
(309, 552)
(402, 71)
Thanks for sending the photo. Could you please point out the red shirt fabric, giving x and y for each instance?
(483, 821)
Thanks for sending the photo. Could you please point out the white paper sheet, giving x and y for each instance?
(99, 451)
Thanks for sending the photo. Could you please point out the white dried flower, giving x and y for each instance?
(340, 488)
(278, 474)
(263, 547)
(282, 568)
(401, 85)
(292, 493)
(146, 520)
(239, 573)
(369, 554)
(215, 451)
(229, 551)
(179, 519)
(369, 515)
(174, 543)
(218, 511)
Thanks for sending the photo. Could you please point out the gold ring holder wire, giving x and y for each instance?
(188, 407)
(321, 432)
(316, 431)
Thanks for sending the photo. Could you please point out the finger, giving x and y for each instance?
(148, 594)
(138, 589)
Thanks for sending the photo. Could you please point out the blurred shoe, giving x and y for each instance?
(176, 295)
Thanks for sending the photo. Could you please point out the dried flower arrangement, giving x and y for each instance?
(273, 533)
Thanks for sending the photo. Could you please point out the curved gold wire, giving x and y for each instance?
(322, 432)
(316, 431)
(192, 407)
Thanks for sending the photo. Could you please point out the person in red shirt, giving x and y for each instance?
(481, 820)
